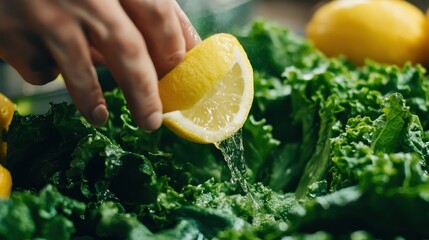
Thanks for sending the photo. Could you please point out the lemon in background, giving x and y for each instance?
(386, 31)
(208, 96)
(5, 182)
(7, 108)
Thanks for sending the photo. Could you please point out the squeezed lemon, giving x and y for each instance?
(208, 96)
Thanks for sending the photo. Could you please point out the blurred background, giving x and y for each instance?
(208, 16)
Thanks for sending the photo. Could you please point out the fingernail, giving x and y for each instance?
(186, 24)
(193, 32)
(99, 115)
(152, 122)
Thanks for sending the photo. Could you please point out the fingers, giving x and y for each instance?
(139, 40)
(124, 50)
(21, 48)
(46, 39)
(31, 60)
(191, 36)
(67, 44)
(160, 26)
(97, 57)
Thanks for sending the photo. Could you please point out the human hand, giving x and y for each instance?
(139, 41)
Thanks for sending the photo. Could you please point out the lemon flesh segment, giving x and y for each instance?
(223, 108)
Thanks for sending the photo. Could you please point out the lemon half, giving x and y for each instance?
(208, 96)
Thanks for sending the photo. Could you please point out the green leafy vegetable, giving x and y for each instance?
(47, 214)
(327, 144)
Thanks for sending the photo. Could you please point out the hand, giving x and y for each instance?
(139, 40)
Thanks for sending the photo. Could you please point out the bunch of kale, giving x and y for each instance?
(332, 150)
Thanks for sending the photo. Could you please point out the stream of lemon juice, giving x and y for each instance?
(233, 152)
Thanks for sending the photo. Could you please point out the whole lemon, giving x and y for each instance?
(386, 31)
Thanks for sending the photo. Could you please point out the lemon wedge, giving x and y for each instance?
(7, 108)
(208, 96)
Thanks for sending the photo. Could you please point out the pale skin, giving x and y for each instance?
(138, 40)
